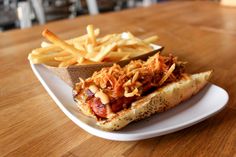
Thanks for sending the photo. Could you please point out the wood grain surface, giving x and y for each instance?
(202, 33)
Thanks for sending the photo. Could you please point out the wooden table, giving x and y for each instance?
(202, 33)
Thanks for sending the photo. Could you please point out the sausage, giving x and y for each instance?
(121, 103)
(98, 108)
(116, 105)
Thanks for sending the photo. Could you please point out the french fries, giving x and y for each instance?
(89, 48)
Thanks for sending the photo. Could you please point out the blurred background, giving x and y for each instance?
(19, 14)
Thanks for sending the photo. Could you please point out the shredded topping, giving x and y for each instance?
(117, 81)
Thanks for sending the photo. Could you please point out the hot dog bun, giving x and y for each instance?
(160, 100)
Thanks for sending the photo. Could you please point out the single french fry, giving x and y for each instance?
(91, 34)
(41, 60)
(45, 50)
(50, 47)
(89, 48)
(62, 44)
(46, 58)
(127, 42)
(63, 58)
(151, 39)
(45, 46)
(104, 51)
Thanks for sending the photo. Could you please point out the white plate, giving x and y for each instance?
(209, 101)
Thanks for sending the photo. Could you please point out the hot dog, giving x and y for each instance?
(113, 91)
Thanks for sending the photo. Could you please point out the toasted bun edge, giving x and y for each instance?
(158, 101)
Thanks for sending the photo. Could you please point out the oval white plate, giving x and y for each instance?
(209, 101)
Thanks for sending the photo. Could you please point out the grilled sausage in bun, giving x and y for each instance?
(115, 96)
